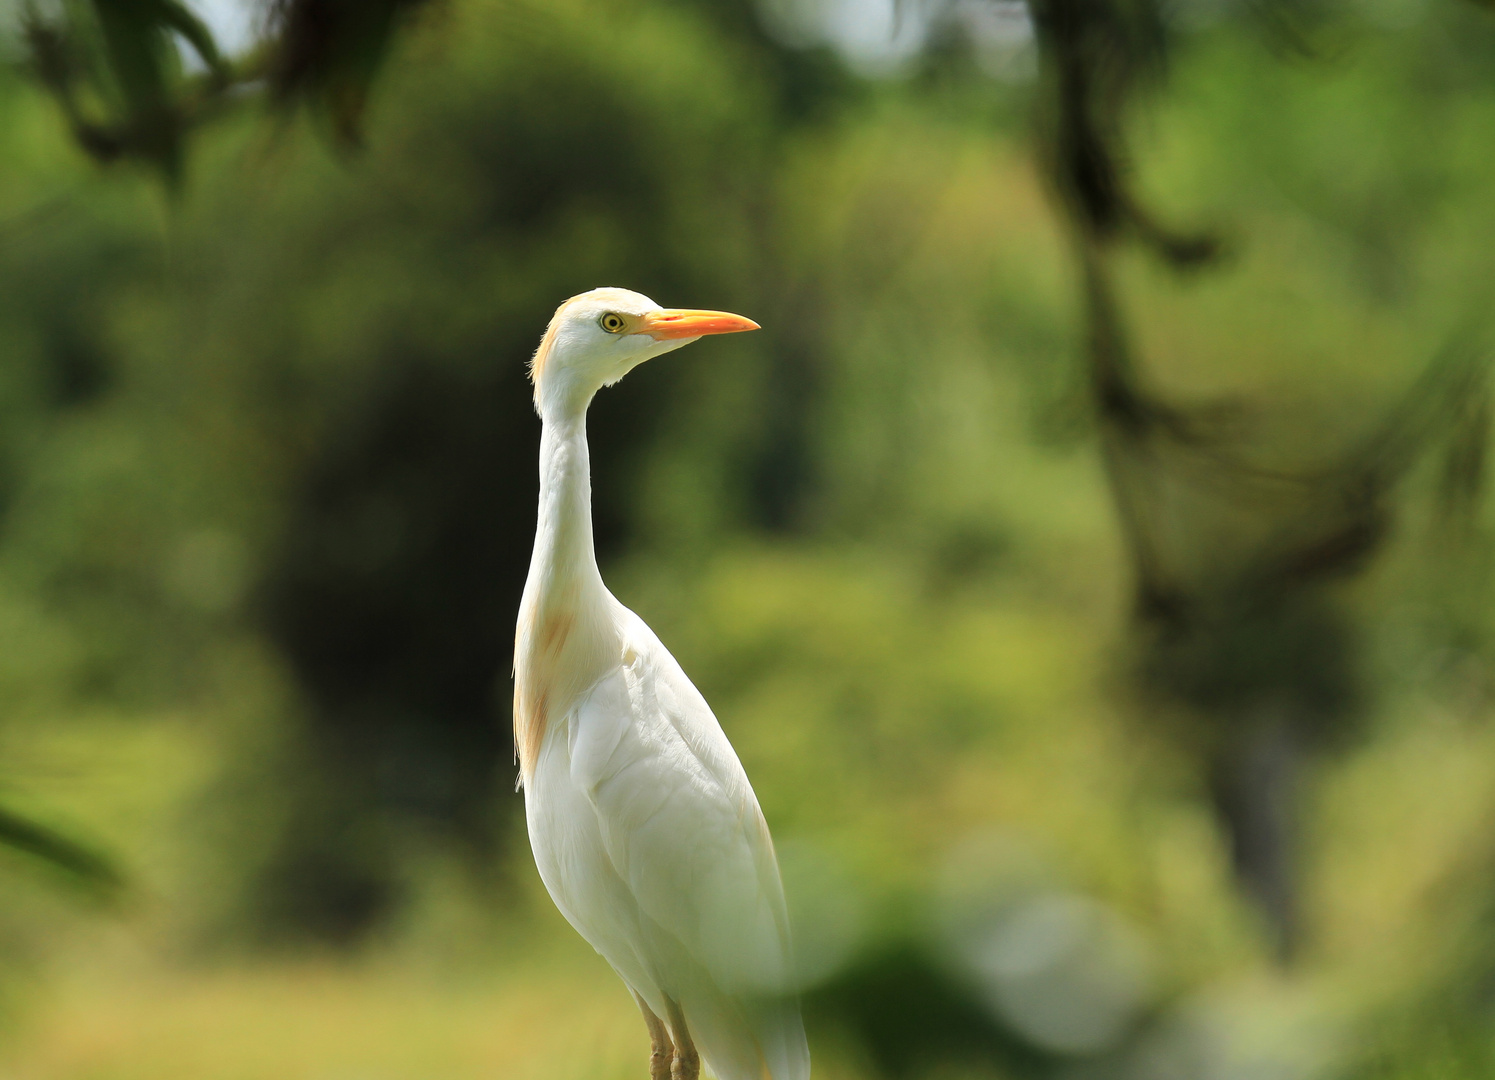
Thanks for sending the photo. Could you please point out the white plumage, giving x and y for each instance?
(644, 827)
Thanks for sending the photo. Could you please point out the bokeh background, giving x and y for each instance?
(1089, 560)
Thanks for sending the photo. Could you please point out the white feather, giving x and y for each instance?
(650, 839)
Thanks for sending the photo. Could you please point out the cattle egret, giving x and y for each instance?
(643, 823)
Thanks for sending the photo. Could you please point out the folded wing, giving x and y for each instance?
(682, 827)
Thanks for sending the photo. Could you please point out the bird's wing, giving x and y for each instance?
(679, 819)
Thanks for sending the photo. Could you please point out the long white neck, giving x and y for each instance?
(564, 552)
(567, 637)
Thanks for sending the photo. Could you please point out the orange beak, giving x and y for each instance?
(684, 322)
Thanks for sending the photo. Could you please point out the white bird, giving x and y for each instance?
(644, 827)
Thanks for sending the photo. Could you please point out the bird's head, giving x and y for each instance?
(600, 336)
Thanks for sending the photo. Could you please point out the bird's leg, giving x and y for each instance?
(687, 1065)
(662, 1050)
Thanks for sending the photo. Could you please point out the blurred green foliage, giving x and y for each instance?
(266, 500)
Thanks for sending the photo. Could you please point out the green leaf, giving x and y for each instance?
(82, 864)
(176, 16)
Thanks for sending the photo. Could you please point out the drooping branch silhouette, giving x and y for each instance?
(1244, 652)
(122, 86)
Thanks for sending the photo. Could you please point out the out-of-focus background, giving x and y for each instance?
(1090, 560)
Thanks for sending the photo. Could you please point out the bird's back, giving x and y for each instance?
(650, 839)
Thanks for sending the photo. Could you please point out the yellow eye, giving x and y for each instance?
(612, 322)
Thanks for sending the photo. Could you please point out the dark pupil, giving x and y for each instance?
(613, 322)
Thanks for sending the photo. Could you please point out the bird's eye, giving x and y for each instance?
(612, 322)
